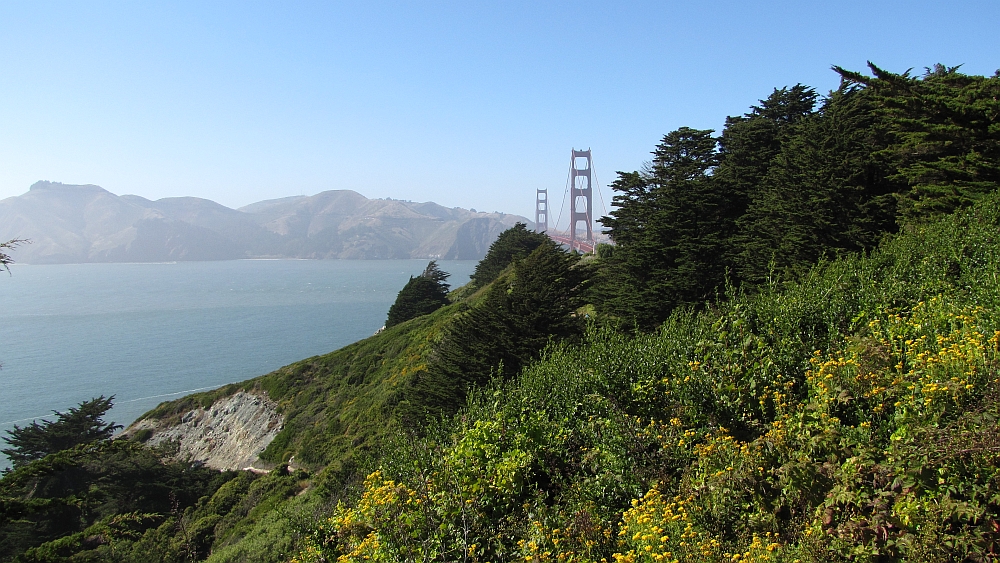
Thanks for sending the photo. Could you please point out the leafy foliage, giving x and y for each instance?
(789, 183)
(5, 259)
(422, 295)
(80, 425)
(851, 416)
(512, 244)
(669, 226)
(826, 191)
(750, 143)
(945, 139)
(521, 312)
(92, 496)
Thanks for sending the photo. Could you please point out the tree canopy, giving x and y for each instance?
(80, 425)
(516, 242)
(525, 309)
(422, 295)
(5, 259)
(670, 229)
(795, 180)
(944, 139)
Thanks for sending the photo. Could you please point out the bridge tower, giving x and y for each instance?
(581, 206)
(541, 211)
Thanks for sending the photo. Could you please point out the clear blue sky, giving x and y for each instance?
(471, 104)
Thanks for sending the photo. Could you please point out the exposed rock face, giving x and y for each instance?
(228, 435)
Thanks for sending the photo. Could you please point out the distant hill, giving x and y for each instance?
(72, 223)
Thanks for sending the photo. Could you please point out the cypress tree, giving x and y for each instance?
(945, 136)
(670, 229)
(512, 244)
(748, 147)
(422, 295)
(827, 191)
(80, 425)
(525, 309)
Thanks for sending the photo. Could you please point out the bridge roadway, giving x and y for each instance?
(586, 247)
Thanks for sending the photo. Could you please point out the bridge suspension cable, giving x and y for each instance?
(579, 189)
(562, 205)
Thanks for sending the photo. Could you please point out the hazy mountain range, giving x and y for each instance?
(70, 223)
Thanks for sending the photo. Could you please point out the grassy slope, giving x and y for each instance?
(338, 402)
(338, 407)
(848, 415)
(349, 400)
(591, 428)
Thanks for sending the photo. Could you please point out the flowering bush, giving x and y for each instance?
(853, 417)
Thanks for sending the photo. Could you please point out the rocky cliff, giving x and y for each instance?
(229, 434)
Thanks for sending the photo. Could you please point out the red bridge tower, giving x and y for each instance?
(581, 205)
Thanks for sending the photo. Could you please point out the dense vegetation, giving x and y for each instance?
(792, 352)
(422, 295)
(80, 425)
(73, 491)
(850, 415)
(512, 244)
(533, 303)
(789, 183)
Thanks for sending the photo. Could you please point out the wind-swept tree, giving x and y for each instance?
(748, 147)
(422, 295)
(670, 229)
(944, 130)
(826, 191)
(80, 425)
(534, 303)
(5, 259)
(512, 244)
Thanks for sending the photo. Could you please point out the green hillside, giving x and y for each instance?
(851, 415)
(341, 410)
(336, 402)
(790, 353)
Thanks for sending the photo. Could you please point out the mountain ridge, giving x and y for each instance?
(70, 223)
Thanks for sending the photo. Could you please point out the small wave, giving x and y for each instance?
(170, 394)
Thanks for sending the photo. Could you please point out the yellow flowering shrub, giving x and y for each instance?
(923, 366)
(661, 529)
(880, 447)
(579, 540)
(385, 524)
(919, 479)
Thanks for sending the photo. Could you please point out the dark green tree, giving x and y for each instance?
(945, 135)
(670, 227)
(80, 425)
(525, 309)
(422, 295)
(75, 504)
(826, 192)
(512, 244)
(749, 144)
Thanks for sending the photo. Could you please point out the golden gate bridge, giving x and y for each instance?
(579, 191)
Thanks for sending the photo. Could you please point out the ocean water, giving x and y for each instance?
(148, 333)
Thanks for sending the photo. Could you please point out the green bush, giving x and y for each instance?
(850, 416)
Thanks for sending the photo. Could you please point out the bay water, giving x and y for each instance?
(148, 333)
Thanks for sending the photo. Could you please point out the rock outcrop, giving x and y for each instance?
(228, 435)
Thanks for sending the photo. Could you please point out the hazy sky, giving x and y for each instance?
(467, 103)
